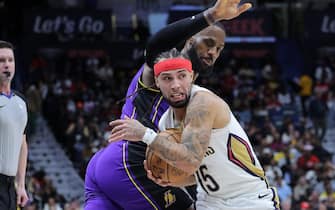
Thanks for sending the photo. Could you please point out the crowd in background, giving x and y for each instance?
(286, 119)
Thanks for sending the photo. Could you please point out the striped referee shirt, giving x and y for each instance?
(13, 121)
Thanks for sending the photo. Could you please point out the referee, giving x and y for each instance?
(13, 144)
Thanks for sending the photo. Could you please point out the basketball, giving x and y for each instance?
(159, 167)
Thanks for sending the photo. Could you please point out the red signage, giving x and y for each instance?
(254, 23)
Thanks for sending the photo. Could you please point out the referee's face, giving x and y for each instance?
(7, 64)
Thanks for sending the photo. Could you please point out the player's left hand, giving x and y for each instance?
(21, 196)
(128, 129)
(154, 179)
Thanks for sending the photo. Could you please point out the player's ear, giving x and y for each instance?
(156, 82)
(190, 42)
(192, 76)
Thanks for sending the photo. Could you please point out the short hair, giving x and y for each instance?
(173, 53)
(216, 26)
(5, 44)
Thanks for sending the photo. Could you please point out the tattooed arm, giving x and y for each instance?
(199, 120)
(205, 111)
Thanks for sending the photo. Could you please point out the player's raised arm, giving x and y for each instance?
(226, 10)
(181, 30)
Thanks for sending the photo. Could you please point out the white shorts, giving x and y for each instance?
(265, 200)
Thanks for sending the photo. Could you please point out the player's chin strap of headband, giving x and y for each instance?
(172, 64)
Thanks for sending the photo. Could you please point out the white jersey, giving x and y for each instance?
(13, 121)
(230, 168)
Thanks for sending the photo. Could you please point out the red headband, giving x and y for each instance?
(172, 64)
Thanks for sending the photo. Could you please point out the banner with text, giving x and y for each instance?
(320, 27)
(60, 26)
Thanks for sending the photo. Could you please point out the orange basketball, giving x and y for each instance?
(160, 168)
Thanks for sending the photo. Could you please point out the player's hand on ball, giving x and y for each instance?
(128, 129)
(154, 179)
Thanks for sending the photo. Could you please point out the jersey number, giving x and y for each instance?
(207, 181)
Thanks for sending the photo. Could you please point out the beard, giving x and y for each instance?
(178, 104)
(198, 66)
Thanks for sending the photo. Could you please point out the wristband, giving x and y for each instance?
(149, 136)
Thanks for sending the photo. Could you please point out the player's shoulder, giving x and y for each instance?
(212, 103)
(19, 95)
(206, 95)
(198, 88)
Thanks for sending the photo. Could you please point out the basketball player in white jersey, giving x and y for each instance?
(214, 149)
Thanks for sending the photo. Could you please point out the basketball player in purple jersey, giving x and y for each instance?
(115, 177)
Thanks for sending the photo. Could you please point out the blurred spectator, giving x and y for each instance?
(284, 96)
(327, 197)
(52, 204)
(308, 161)
(34, 100)
(301, 189)
(242, 110)
(37, 69)
(270, 74)
(305, 92)
(106, 71)
(318, 114)
(284, 193)
(329, 192)
(313, 201)
(41, 189)
(228, 84)
(73, 205)
(304, 205)
(77, 133)
(323, 72)
(271, 169)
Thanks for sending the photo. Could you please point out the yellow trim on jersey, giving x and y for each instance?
(241, 153)
(133, 114)
(275, 194)
(131, 178)
(134, 108)
(276, 198)
(146, 87)
(156, 110)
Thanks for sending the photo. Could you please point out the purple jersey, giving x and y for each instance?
(143, 103)
(115, 177)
